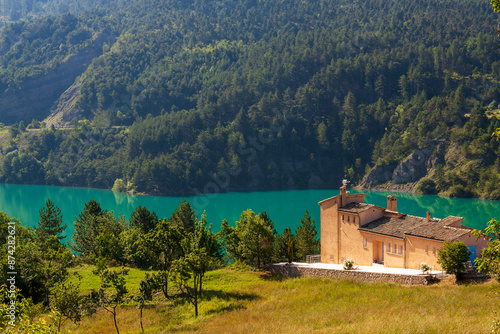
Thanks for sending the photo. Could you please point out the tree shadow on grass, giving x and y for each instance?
(234, 300)
(269, 276)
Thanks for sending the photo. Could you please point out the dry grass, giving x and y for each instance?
(250, 302)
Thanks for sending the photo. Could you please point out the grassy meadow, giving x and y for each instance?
(245, 301)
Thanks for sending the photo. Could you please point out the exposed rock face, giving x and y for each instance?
(378, 175)
(413, 168)
(37, 96)
(408, 171)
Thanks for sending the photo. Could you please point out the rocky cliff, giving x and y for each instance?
(37, 96)
(405, 174)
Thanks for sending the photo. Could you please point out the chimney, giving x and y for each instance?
(343, 196)
(428, 217)
(392, 203)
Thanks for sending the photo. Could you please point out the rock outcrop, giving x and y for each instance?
(36, 96)
(413, 168)
(408, 171)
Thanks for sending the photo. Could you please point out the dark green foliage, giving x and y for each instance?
(489, 262)
(426, 186)
(286, 246)
(50, 223)
(143, 219)
(217, 95)
(452, 257)
(97, 233)
(184, 217)
(251, 240)
(307, 244)
(159, 249)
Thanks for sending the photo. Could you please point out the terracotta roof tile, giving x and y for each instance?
(436, 229)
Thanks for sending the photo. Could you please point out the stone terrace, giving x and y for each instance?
(361, 273)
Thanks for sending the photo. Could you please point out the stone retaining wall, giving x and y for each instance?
(362, 276)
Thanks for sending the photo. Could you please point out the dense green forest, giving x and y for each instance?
(206, 96)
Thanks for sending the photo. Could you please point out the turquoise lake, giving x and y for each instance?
(285, 208)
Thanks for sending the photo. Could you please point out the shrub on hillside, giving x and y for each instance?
(426, 186)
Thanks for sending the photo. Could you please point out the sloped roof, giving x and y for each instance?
(398, 227)
(356, 207)
(440, 230)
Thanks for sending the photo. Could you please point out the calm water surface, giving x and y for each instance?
(285, 208)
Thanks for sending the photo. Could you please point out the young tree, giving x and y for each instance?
(230, 240)
(286, 246)
(50, 222)
(190, 270)
(87, 228)
(66, 299)
(452, 257)
(41, 267)
(143, 219)
(489, 263)
(164, 246)
(251, 240)
(146, 289)
(203, 239)
(90, 224)
(307, 244)
(257, 239)
(184, 216)
(112, 292)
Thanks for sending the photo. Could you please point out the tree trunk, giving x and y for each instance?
(142, 328)
(165, 286)
(59, 325)
(195, 297)
(114, 318)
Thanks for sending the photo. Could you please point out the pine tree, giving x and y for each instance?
(50, 222)
(143, 219)
(184, 216)
(307, 244)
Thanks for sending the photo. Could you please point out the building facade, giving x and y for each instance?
(371, 234)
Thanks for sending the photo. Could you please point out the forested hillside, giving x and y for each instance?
(178, 97)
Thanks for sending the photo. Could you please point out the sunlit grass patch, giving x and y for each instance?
(240, 301)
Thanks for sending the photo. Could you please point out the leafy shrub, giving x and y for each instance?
(348, 264)
(426, 186)
(452, 257)
(424, 267)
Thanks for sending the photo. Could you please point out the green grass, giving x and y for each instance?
(243, 301)
(90, 281)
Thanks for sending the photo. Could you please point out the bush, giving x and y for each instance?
(426, 186)
(452, 257)
(348, 264)
(119, 186)
(424, 267)
(460, 191)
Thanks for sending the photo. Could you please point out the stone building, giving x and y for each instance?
(371, 234)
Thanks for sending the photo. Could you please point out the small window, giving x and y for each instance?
(353, 219)
(365, 243)
(426, 249)
(400, 250)
(331, 257)
(388, 248)
(347, 218)
(434, 251)
(342, 217)
(395, 249)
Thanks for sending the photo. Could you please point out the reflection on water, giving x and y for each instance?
(285, 208)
